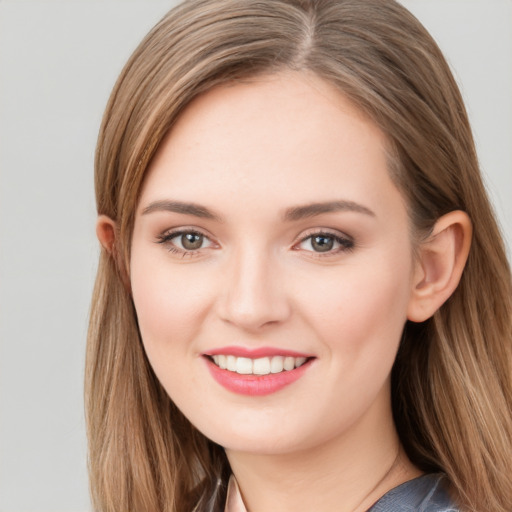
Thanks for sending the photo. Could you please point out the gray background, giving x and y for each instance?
(58, 62)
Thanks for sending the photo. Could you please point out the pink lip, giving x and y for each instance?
(254, 353)
(255, 385)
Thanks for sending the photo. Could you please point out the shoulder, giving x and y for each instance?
(427, 493)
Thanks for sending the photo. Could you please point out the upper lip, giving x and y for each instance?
(254, 353)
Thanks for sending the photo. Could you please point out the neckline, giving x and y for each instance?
(429, 484)
(415, 494)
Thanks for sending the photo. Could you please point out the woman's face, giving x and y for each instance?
(270, 239)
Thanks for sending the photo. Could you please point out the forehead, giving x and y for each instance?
(290, 135)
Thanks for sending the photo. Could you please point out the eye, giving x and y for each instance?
(189, 241)
(325, 243)
(185, 241)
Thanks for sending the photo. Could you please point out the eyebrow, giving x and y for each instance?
(291, 214)
(313, 209)
(180, 207)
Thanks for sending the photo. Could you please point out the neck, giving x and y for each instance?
(347, 473)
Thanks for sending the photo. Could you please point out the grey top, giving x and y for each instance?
(427, 493)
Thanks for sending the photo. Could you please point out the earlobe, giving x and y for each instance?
(441, 260)
(106, 232)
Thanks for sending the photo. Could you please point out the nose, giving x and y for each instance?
(252, 293)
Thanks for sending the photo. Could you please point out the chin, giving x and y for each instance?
(254, 438)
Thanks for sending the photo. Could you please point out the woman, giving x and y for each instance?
(303, 301)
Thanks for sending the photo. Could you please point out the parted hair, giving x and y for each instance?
(452, 379)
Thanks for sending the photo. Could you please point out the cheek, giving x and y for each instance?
(153, 304)
(364, 308)
(171, 305)
(168, 312)
(168, 302)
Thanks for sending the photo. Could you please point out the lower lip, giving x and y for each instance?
(256, 385)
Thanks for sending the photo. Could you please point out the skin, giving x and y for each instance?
(249, 153)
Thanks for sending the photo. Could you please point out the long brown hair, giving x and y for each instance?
(452, 380)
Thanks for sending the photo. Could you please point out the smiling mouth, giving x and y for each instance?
(259, 366)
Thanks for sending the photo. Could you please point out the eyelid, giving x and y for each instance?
(180, 229)
(345, 241)
(165, 238)
(322, 231)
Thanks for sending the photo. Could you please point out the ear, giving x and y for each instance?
(106, 232)
(441, 260)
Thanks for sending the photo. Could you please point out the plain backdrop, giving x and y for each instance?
(58, 62)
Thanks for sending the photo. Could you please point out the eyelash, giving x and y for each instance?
(166, 239)
(346, 244)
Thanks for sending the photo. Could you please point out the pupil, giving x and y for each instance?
(191, 241)
(322, 243)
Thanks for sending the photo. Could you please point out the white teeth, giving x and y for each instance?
(231, 363)
(243, 365)
(289, 363)
(277, 364)
(299, 361)
(260, 366)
